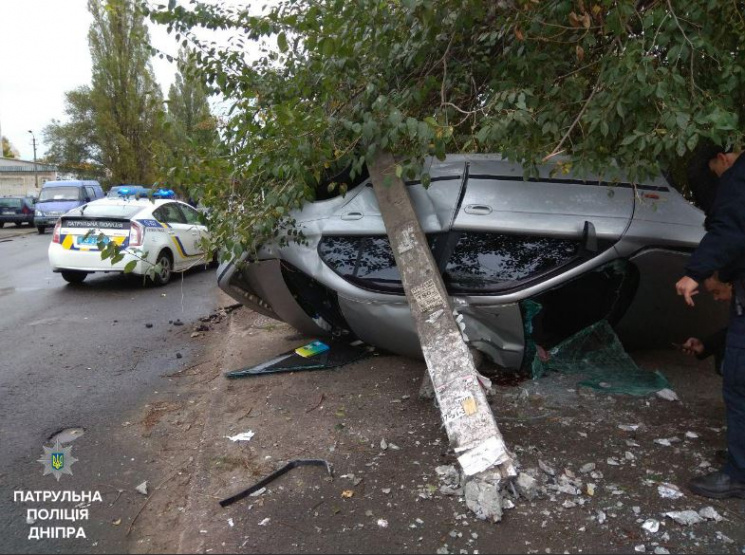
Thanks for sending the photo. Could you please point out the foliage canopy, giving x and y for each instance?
(606, 83)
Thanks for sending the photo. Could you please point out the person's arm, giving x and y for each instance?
(713, 344)
(725, 241)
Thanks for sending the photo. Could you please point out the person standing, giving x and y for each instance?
(723, 249)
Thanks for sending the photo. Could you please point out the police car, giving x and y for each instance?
(164, 232)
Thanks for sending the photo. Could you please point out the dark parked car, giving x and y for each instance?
(17, 210)
(578, 249)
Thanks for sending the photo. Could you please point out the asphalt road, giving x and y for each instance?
(81, 356)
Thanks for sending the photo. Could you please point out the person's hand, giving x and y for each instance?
(687, 287)
(692, 346)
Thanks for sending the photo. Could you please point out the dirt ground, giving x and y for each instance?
(389, 500)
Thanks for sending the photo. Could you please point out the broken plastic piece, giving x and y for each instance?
(338, 353)
(312, 349)
(286, 468)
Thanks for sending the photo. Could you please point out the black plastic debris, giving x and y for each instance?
(339, 353)
(286, 468)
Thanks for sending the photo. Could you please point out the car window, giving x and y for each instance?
(59, 193)
(367, 261)
(90, 192)
(170, 214)
(191, 215)
(484, 262)
(10, 203)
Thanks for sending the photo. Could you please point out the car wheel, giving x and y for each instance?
(74, 276)
(166, 269)
(40, 229)
(2, 224)
(19, 224)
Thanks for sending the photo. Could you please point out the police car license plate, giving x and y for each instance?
(90, 240)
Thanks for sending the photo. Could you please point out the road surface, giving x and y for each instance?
(82, 356)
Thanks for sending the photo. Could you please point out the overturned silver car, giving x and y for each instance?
(582, 250)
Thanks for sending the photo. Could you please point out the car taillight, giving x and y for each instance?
(136, 235)
(56, 236)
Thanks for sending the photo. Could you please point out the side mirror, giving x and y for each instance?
(87, 199)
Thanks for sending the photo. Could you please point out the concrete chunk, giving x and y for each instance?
(526, 486)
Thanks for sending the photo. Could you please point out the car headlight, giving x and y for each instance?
(38, 213)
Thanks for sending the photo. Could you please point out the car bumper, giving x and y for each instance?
(16, 219)
(61, 258)
(45, 220)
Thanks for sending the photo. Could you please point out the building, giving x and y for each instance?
(18, 177)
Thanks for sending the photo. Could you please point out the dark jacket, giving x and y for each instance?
(714, 345)
(723, 246)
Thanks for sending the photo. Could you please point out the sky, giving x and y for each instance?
(44, 46)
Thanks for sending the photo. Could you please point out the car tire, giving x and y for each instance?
(2, 224)
(74, 276)
(166, 263)
(19, 224)
(41, 229)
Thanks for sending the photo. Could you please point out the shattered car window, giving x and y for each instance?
(366, 261)
(376, 262)
(340, 253)
(482, 262)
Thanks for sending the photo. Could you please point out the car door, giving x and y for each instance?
(530, 227)
(179, 233)
(197, 232)
(90, 194)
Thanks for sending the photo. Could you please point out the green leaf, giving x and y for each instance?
(282, 42)
(130, 266)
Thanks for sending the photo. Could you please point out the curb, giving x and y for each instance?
(17, 233)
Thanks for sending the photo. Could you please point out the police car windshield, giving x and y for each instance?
(51, 194)
(125, 211)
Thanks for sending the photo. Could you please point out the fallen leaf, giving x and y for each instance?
(347, 493)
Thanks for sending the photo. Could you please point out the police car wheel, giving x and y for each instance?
(74, 276)
(166, 269)
(40, 229)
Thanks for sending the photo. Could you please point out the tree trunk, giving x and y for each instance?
(468, 419)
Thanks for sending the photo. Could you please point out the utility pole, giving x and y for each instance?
(466, 414)
(36, 171)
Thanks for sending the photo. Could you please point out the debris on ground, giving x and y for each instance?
(244, 436)
(142, 488)
(651, 525)
(667, 394)
(484, 498)
(450, 480)
(334, 355)
(685, 518)
(669, 491)
(274, 475)
(710, 513)
(526, 486)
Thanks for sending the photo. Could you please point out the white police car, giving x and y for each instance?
(161, 232)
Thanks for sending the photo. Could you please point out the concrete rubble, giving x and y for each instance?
(685, 518)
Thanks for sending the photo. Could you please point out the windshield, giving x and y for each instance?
(59, 193)
(10, 203)
(93, 210)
